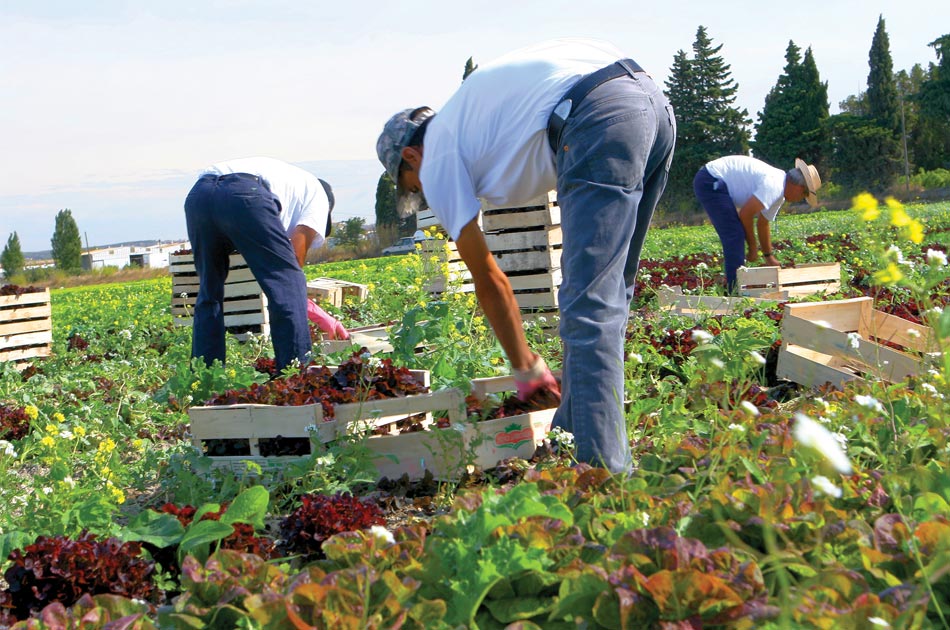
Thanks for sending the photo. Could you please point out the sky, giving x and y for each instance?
(111, 107)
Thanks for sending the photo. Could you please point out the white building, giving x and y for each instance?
(131, 255)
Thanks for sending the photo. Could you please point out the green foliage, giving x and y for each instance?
(351, 232)
(193, 382)
(883, 107)
(791, 124)
(932, 143)
(67, 245)
(702, 93)
(863, 154)
(12, 257)
(470, 67)
(386, 214)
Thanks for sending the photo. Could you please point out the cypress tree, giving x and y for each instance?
(67, 245)
(470, 67)
(703, 93)
(777, 136)
(386, 215)
(814, 111)
(932, 141)
(12, 257)
(883, 106)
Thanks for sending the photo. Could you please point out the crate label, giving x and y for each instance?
(513, 436)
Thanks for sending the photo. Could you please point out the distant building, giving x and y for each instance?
(120, 256)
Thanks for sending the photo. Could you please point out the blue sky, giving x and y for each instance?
(109, 108)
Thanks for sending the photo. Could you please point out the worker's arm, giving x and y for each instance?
(301, 238)
(746, 214)
(495, 296)
(765, 239)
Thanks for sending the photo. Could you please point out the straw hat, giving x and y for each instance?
(812, 181)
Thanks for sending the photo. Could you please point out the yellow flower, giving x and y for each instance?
(117, 495)
(866, 204)
(138, 444)
(899, 218)
(889, 275)
(79, 430)
(107, 445)
(48, 442)
(915, 231)
(52, 428)
(58, 417)
(232, 373)
(31, 412)
(195, 385)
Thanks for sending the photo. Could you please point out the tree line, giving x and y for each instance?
(66, 247)
(898, 125)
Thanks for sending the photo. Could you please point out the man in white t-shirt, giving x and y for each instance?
(271, 212)
(736, 189)
(577, 116)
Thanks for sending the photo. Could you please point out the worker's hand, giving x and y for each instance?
(534, 379)
(772, 261)
(751, 254)
(327, 323)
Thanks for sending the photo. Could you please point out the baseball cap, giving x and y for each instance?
(396, 135)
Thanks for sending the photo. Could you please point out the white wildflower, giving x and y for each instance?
(869, 402)
(750, 409)
(877, 621)
(703, 266)
(69, 481)
(738, 428)
(928, 388)
(561, 437)
(383, 534)
(125, 334)
(840, 438)
(717, 363)
(47, 490)
(936, 257)
(6, 448)
(183, 295)
(898, 254)
(810, 434)
(854, 340)
(913, 332)
(701, 336)
(635, 357)
(66, 434)
(824, 485)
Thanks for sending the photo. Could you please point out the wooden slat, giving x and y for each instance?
(531, 239)
(24, 326)
(19, 313)
(812, 369)
(843, 315)
(26, 339)
(39, 297)
(895, 330)
(530, 261)
(24, 353)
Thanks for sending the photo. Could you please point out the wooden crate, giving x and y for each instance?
(672, 300)
(817, 348)
(374, 338)
(446, 253)
(335, 292)
(245, 305)
(492, 441)
(540, 212)
(426, 218)
(26, 329)
(780, 283)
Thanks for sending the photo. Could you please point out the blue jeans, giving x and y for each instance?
(237, 211)
(613, 162)
(714, 197)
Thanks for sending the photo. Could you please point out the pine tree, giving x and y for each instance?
(883, 106)
(67, 245)
(702, 93)
(12, 257)
(777, 136)
(470, 67)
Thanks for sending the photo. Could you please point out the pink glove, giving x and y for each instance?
(327, 323)
(534, 379)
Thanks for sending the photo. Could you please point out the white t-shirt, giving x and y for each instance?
(747, 177)
(489, 141)
(303, 200)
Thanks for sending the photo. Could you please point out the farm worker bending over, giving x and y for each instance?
(572, 114)
(271, 212)
(735, 189)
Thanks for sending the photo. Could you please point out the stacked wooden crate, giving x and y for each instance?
(783, 283)
(672, 300)
(526, 242)
(245, 305)
(335, 292)
(26, 329)
(845, 340)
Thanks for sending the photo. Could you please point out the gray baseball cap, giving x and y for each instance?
(396, 135)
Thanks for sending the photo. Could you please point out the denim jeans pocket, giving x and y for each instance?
(614, 149)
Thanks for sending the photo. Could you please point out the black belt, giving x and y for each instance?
(580, 90)
(257, 178)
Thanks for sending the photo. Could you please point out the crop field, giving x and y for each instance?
(755, 501)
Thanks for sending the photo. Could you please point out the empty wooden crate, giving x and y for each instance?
(783, 283)
(844, 340)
